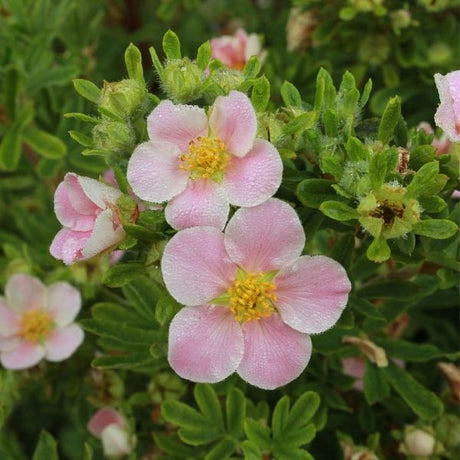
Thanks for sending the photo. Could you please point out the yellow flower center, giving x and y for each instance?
(35, 325)
(251, 297)
(206, 158)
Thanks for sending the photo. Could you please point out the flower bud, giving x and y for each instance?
(115, 441)
(418, 442)
(182, 80)
(122, 98)
(400, 19)
(113, 137)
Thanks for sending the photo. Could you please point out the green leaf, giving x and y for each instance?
(414, 352)
(87, 89)
(46, 448)
(290, 94)
(121, 274)
(143, 294)
(209, 405)
(437, 229)
(223, 449)
(378, 251)
(257, 433)
(426, 174)
(260, 94)
(280, 415)
(313, 192)
(390, 118)
(251, 450)
(331, 123)
(300, 123)
(166, 308)
(172, 445)
(338, 211)
(133, 61)
(61, 75)
(10, 150)
(420, 155)
(397, 290)
(252, 68)
(44, 143)
(128, 361)
(423, 402)
(355, 149)
(366, 308)
(365, 94)
(81, 138)
(304, 408)
(235, 412)
(432, 204)
(171, 45)
(203, 55)
(12, 82)
(376, 387)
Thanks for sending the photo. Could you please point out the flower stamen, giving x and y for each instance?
(252, 297)
(206, 158)
(35, 325)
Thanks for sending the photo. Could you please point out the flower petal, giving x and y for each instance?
(195, 265)
(177, 124)
(63, 341)
(103, 418)
(25, 355)
(77, 197)
(448, 113)
(154, 172)
(205, 343)
(9, 320)
(106, 233)
(274, 354)
(64, 302)
(202, 203)
(312, 293)
(234, 121)
(68, 244)
(24, 292)
(68, 215)
(102, 195)
(9, 343)
(265, 237)
(253, 179)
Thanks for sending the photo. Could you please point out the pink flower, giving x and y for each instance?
(36, 322)
(87, 209)
(251, 298)
(447, 116)
(204, 164)
(234, 51)
(442, 145)
(111, 427)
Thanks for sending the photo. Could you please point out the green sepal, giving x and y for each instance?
(300, 123)
(378, 251)
(81, 138)
(355, 149)
(156, 62)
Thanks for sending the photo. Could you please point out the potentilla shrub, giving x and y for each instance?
(263, 277)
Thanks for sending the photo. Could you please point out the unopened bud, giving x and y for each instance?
(115, 441)
(113, 137)
(122, 98)
(182, 80)
(418, 442)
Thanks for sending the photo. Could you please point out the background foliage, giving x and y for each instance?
(406, 305)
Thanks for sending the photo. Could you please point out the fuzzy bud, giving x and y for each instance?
(182, 80)
(115, 441)
(122, 98)
(113, 137)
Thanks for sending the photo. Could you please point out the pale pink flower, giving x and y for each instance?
(111, 427)
(201, 165)
(447, 116)
(251, 298)
(88, 211)
(442, 144)
(36, 322)
(235, 50)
